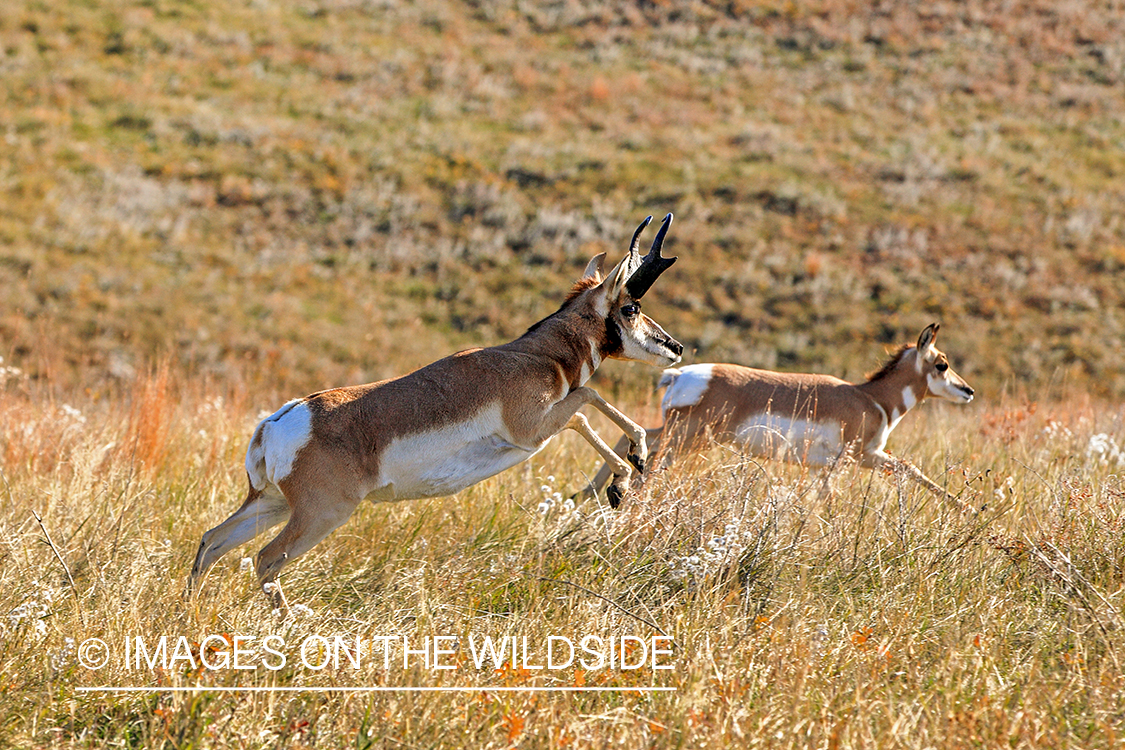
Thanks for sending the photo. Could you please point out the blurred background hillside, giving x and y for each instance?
(292, 196)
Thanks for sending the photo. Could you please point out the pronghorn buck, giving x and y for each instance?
(801, 418)
(448, 425)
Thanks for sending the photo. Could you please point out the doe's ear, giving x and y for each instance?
(927, 337)
(594, 267)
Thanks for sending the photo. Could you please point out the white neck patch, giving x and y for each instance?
(584, 374)
(908, 399)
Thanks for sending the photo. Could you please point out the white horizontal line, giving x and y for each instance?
(363, 689)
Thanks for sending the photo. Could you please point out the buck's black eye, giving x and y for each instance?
(941, 366)
(630, 310)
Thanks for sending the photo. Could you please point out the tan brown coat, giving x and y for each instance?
(445, 426)
(811, 419)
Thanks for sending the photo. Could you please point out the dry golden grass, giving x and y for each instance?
(868, 616)
(265, 199)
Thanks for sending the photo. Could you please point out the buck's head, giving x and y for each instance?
(941, 380)
(629, 333)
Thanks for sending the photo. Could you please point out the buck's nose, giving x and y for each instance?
(676, 347)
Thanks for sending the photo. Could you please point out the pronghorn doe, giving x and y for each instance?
(448, 425)
(814, 420)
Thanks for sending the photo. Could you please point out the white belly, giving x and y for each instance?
(445, 461)
(795, 440)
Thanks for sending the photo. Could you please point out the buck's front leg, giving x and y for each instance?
(638, 436)
(621, 471)
(564, 415)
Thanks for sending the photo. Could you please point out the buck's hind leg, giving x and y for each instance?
(261, 511)
(311, 519)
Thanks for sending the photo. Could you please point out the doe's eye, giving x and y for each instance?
(941, 366)
(630, 310)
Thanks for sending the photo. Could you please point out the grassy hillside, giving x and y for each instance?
(208, 207)
(327, 192)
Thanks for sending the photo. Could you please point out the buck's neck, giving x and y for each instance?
(574, 338)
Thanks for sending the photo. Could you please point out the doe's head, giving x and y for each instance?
(629, 333)
(941, 380)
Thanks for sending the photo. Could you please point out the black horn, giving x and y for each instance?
(635, 246)
(652, 265)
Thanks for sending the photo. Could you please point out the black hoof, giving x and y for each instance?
(637, 461)
(614, 494)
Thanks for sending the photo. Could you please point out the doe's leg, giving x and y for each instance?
(310, 520)
(902, 467)
(261, 511)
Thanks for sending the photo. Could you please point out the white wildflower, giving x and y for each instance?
(1055, 431)
(551, 497)
(718, 553)
(1103, 449)
(73, 414)
(300, 610)
(62, 658)
(247, 565)
(8, 372)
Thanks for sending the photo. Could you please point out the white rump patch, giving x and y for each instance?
(687, 388)
(449, 459)
(667, 378)
(276, 442)
(795, 440)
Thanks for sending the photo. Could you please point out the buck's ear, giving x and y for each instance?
(927, 337)
(617, 279)
(594, 268)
